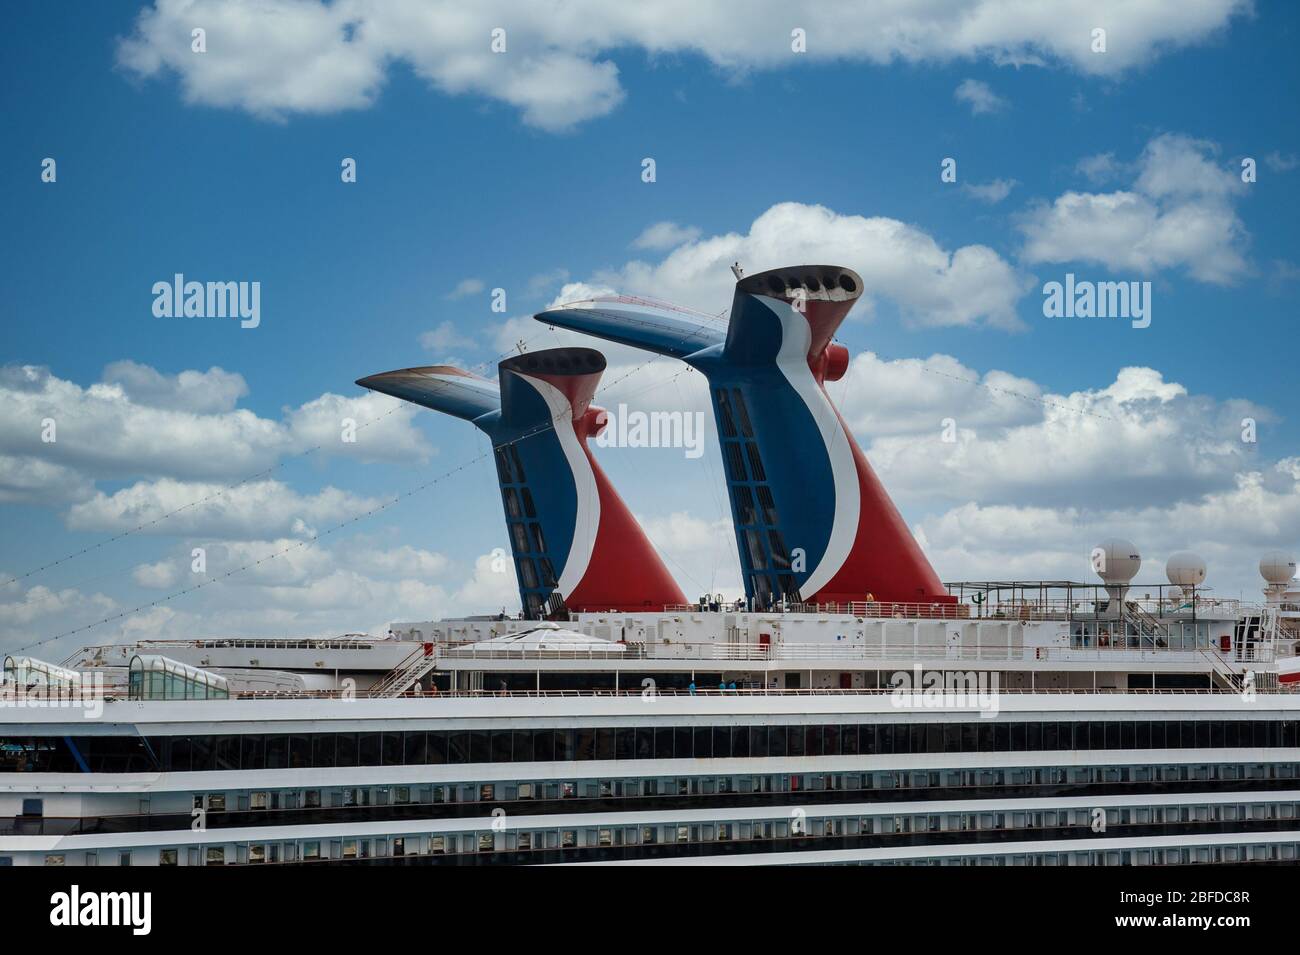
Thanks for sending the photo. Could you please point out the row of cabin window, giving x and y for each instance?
(277, 751)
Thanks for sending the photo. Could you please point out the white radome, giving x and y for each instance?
(1185, 569)
(1277, 567)
(1116, 560)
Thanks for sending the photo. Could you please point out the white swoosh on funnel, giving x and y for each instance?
(587, 519)
(792, 359)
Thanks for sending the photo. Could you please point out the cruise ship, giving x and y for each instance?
(850, 708)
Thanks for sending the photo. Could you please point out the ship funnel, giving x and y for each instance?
(576, 546)
(813, 522)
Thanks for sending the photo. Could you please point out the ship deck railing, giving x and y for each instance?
(700, 691)
(94, 653)
(1016, 609)
(362, 642)
(643, 692)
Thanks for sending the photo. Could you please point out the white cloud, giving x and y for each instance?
(288, 562)
(325, 588)
(900, 263)
(142, 423)
(1141, 440)
(491, 588)
(1231, 528)
(1099, 168)
(32, 481)
(979, 96)
(29, 614)
(1278, 162)
(990, 192)
(101, 431)
(399, 561)
(1283, 271)
(383, 428)
(1178, 215)
(466, 287)
(543, 282)
(161, 575)
(274, 58)
(1179, 167)
(25, 606)
(699, 553)
(665, 235)
(215, 510)
(445, 336)
(203, 392)
(912, 396)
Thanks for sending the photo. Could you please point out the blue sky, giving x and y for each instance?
(522, 171)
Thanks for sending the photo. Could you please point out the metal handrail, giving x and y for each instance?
(284, 695)
(421, 651)
(1047, 608)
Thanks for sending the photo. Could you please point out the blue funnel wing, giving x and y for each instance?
(664, 330)
(443, 388)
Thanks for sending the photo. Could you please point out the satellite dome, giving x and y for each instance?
(1185, 569)
(1277, 567)
(1116, 560)
(1174, 593)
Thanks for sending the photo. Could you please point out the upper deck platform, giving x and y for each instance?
(1060, 635)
